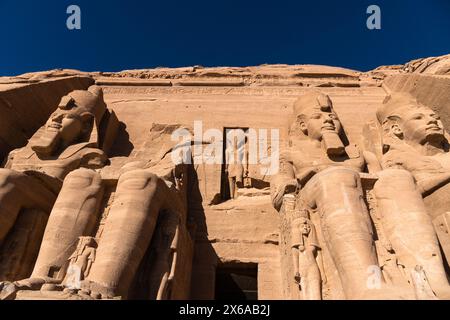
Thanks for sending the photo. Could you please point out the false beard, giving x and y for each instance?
(47, 144)
(333, 143)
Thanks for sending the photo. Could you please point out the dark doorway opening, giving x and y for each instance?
(237, 281)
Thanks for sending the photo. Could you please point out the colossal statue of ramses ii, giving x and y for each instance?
(145, 194)
(66, 150)
(415, 160)
(323, 171)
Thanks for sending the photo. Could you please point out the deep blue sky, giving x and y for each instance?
(119, 34)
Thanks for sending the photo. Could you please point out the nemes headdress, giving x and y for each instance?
(394, 106)
(312, 100)
(85, 101)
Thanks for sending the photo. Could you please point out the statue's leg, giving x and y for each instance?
(139, 198)
(346, 226)
(19, 191)
(295, 260)
(21, 247)
(409, 227)
(232, 184)
(74, 214)
(312, 285)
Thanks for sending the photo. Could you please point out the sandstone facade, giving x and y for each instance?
(94, 205)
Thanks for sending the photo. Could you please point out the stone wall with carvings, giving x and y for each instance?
(171, 229)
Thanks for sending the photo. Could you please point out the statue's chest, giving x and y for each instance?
(309, 158)
(317, 158)
(441, 160)
(421, 166)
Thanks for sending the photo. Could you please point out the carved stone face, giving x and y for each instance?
(66, 123)
(306, 229)
(64, 127)
(421, 125)
(315, 121)
(303, 225)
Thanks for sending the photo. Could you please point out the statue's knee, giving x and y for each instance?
(7, 176)
(137, 180)
(394, 180)
(340, 177)
(397, 174)
(82, 178)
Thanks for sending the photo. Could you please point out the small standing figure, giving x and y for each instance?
(304, 250)
(80, 262)
(236, 163)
